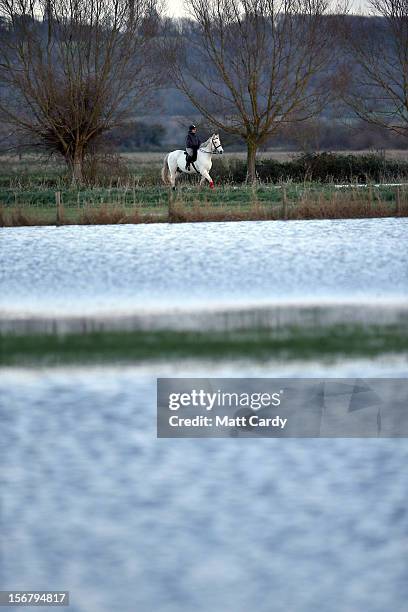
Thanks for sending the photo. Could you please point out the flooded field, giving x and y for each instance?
(147, 268)
(93, 503)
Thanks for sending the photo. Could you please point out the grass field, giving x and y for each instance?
(291, 343)
(33, 192)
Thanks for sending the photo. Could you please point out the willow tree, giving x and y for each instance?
(250, 66)
(375, 75)
(72, 70)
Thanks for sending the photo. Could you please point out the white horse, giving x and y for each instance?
(175, 162)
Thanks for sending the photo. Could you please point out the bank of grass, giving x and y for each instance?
(260, 345)
(191, 204)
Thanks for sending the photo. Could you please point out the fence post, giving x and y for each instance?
(170, 205)
(398, 202)
(285, 202)
(59, 207)
(370, 197)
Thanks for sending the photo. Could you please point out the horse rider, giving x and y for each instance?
(192, 145)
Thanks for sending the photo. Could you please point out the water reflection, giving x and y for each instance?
(94, 503)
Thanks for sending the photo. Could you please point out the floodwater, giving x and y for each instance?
(143, 268)
(92, 502)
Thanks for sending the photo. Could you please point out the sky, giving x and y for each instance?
(176, 7)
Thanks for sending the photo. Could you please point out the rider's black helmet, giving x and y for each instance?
(192, 127)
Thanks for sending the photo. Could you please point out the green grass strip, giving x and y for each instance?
(139, 346)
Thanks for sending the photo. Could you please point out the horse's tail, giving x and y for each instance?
(165, 171)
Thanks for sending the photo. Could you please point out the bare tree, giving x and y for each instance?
(374, 80)
(70, 70)
(249, 66)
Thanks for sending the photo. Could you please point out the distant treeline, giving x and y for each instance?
(315, 136)
(137, 136)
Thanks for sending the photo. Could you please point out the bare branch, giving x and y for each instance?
(73, 70)
(252, 65)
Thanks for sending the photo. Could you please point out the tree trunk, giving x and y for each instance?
(77, 167)
(251, 158)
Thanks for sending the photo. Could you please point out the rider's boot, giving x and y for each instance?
(187, 162)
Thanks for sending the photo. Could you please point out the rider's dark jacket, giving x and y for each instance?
(192, 141)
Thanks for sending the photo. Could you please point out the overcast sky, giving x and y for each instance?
(175, 7)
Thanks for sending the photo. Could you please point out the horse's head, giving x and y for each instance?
(216, 146)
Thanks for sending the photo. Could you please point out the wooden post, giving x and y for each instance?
(285, 202)
(398, 202)
(370, 196)
(59, 207)
(170, 204)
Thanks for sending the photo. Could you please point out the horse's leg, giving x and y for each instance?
(207, 176)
